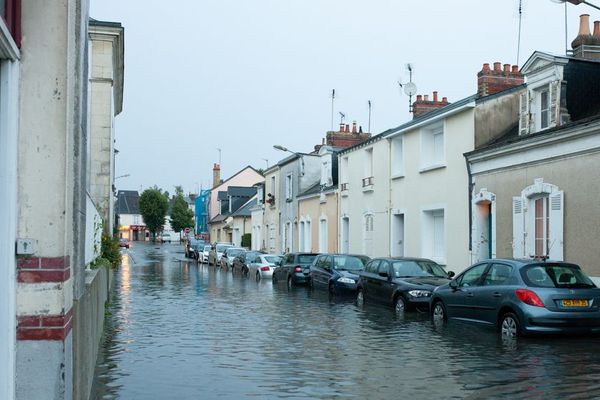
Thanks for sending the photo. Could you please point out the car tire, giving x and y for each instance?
(360, 298)
(438, 312)
(400, 305)
(509, 325)
(331, 288)
(257, 276)
(290, 283)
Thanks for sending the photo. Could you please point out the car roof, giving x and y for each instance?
(403, 259)
(525, 261)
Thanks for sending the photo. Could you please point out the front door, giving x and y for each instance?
(397, 237)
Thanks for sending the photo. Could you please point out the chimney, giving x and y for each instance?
(423, 105)
(341, 127)
(354, 127)
(347, 130)
(216, 175)
(498, 79)
(584, 39)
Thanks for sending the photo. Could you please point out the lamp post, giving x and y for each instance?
(282, 148)
(577, 2)
(122, 176)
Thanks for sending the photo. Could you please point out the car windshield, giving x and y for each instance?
(556, 275)
(221, 247)
(207, 248)
(234, 252)
(273, 259)
(349, 263)
(306, 258)
(417, 268)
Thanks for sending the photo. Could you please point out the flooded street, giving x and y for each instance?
(179, 330)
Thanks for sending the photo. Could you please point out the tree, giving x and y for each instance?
(153, 207)
(181, 216)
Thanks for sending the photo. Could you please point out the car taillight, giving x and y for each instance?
(298, 269)
(529, 297)
(264, 268)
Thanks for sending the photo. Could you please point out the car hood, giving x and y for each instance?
(429, 282)
(348, 274)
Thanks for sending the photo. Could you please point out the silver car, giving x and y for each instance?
(262, 265)
(205, 252)
(229, 254)
(214, 256)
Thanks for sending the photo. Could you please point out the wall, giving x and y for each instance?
(496, 116)
(246, 178)
(88, 326)
(581, 220)
(271, 226)
(445, 187)
(312, 208)
(93, 232)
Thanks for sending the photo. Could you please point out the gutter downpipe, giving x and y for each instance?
(469, 192)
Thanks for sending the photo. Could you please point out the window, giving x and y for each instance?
(473, 276)
(372, 266)
(433, 147)
(368, 235)
(288, 187)
(398, 156)
(323, 235)
(326, 175)
(368, 163)
(344, 171)
(384, 267)
(544, 108)
(542, 226)
(272, 185)
(497, 275)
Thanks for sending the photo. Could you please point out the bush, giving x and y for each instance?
(247, 240)
(110, 250)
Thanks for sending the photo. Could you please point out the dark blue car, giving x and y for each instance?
(521, 297)
(337, 273)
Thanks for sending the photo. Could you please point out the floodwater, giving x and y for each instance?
(179, 330)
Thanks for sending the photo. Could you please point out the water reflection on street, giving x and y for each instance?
(179, 330)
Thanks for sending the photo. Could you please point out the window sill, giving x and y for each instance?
(344, 193)
(368, 188)
(432, 167)
(288, 200)
(397, 176)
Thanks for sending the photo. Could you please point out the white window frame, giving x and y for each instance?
(397, 144)
(368, 226)
(368, 162)
(431, 159)
(289, 184)
(323, 234)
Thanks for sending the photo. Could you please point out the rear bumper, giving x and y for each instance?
(544, 321)
(265, 274)
(300, 278)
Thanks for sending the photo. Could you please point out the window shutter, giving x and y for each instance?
(524, 114)
(554, 103)
(555, 242)
(518, 228)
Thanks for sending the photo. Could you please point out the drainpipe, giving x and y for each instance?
(469, 192)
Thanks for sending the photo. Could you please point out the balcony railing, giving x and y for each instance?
(344, 187)
(366, 182)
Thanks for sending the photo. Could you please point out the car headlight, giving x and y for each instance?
(419, 293)
(346, 280)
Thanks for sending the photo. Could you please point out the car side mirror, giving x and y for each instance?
(384, 274)
(451, 274)
(453, 285)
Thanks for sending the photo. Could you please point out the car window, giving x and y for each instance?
(348, 263)
(372, 266)
(306, 258)
(472, 276)
(384, 266)
(222, 247)
(289, 259)
(270, 259)
(556, 275)
(497, 274)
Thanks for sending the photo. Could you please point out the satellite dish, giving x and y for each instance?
(410, 89)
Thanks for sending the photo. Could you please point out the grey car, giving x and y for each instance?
(521, 297)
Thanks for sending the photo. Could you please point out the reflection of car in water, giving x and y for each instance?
(521, 297)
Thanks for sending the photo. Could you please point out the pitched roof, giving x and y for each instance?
(128, 202)
(241, 191)
(236, 174)
(246, 209)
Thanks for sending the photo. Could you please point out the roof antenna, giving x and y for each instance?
(369, 126)
(332, 102)
(342, 117)
(410, 89)
(519, 37)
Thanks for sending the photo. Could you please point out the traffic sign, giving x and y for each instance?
(186, 230)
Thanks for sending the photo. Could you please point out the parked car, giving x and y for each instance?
(262, 265)
(404, 283)
(205, 252)
(192, 247)
(214, 256)
(337, 273)
(165, 238)
(294, 268)
(229, 254)
(124, 243)
(521, 297)
(240, 262)
(198, 247)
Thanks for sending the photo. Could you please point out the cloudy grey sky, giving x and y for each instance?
(243, 75)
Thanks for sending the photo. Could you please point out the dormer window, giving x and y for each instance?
(539, 108)
(544, 101)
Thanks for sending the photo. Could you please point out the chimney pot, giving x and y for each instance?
(515, 69)
(497, 66)
(341, 127)
(426, 97)
(347, 130)
(486, 67)
(444, 99)
(584, 35)
(507, 68)
(435, 96)
(419, 98)
(353, 126)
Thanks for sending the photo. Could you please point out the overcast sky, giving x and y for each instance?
(243, 75)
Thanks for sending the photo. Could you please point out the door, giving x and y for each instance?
(345, 235)
(493, 291)
(318, 270)
(367, 278)
(462, 302)
(378, 283)
(397, 236)
(368, 235)
(386, 287)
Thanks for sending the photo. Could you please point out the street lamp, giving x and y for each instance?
(122, 176)
(282, 148)
(577, 2)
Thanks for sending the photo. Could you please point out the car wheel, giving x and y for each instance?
(438, 312)
(274, 278)
(509, 325)
(400, 305)
(360, 298)
(257, 276)
(290, 282)
(331, 289)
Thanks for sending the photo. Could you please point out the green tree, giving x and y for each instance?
(181, 216)
(153, 207)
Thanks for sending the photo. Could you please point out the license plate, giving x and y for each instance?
(575, 303)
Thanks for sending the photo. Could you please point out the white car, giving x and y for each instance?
(229, 254)
(263, 265)
(165, 237)
(214, 256)
(204, 256)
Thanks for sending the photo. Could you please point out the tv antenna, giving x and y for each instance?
(342, 117)
(410, 89)
(332, 103)
(370, 107)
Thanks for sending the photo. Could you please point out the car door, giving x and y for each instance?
(382, 283)
(317, 270)
(493, 291)
(462, 301)
(367, 277)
